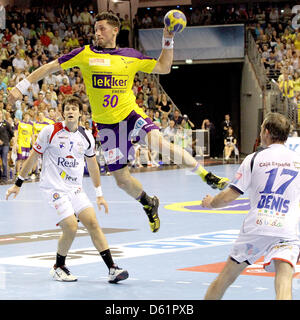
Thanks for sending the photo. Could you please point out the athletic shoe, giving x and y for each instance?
(117, 274)
(152, 214)
(62, 273)
(216, 182)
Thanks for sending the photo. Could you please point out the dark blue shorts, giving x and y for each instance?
(117, 139)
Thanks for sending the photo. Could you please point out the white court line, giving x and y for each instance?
(29, 273)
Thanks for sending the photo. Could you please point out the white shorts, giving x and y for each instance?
(249, 248)
(67, 203)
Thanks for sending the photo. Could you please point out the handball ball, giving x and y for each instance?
(175, 21)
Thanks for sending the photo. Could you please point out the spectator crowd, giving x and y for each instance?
(278, 43)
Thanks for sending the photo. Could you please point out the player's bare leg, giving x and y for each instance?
(134, 188)
(283, 280)
(59, 271)
(69, 228)
(127, 182)
(227, 276)
(181, 156)
(88, 218)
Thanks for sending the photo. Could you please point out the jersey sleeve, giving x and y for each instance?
(42, 140)
(90, 152)
(71, 59)
(146, 64)
(242, 178)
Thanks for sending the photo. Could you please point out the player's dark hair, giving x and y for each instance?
(111, 18)
(278, 126)
(73, 101)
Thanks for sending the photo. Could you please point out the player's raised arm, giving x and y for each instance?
(165, 59)
(17, 92)
(175, 21)
(27, 166)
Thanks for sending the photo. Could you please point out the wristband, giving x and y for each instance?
(23, 86)
(19, 181)
(167, 43)
(99, 192)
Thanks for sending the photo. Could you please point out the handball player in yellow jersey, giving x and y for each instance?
(108, 73)
(24, 139)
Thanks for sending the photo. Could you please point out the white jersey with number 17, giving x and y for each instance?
(272, 178)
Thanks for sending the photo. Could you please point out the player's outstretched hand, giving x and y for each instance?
(102, 202)
(12, 190)
(206, 202)
(168, 34)
(14, 95)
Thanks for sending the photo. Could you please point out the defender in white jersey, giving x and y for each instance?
(64, 154)
(65, 146)
(270, 229)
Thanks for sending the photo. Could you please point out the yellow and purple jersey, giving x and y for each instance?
(38, 126)
(108, 75)
(49, 121)
(25, 130)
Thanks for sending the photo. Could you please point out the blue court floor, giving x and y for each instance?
(178, 262)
